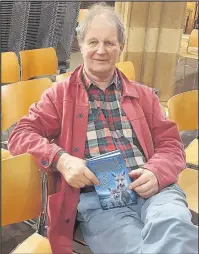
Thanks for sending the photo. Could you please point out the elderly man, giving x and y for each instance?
(94, 111)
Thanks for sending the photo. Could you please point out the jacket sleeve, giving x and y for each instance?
(33, 133)
(169, 156)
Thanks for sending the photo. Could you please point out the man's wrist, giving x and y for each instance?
(56, 159)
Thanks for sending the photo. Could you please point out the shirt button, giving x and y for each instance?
(67, 220)
(80, 115)
(76, 149)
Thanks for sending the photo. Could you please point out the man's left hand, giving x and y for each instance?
(145, 182)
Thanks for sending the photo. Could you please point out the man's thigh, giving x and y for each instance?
(171, 200)
(166, 217)
(112, 231)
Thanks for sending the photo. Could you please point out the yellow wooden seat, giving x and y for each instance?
(62, 76)
(82, 13)
(183, 110)
(10, 71)
(127, 68)
(5, 154)
(193, 39)
(38, 62)
(192, 153)
(34, 244)
(21, 197)
(188, 181)
(16, 99)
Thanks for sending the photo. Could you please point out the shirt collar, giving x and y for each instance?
(87, 82)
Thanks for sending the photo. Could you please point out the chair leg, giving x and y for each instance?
(42, 222)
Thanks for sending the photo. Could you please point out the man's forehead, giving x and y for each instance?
(100, 21)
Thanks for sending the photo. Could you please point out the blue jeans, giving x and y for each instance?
(157, 225)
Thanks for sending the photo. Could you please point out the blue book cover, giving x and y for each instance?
(112, 173)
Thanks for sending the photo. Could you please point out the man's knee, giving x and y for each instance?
(170, 213)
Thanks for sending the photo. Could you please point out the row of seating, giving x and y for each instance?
(41, 62)
(182, 108)
(33, 63)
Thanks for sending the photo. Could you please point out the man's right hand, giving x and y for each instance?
(75, 172)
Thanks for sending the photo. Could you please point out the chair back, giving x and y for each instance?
(82, 13)
(62, 76)
(16, 98)
(5, 154)
(127, 68)
(38, 62)
(193, 39)
(20, 189)
(10, 71)
(183, 110)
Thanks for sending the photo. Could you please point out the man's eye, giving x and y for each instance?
(92, 43)
(109, 43)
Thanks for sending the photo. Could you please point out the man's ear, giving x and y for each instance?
(80, 47)
(121, 48)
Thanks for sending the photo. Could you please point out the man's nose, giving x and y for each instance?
(101, 49)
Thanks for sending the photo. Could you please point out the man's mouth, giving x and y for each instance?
(100, 60)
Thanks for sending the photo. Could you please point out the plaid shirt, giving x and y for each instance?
(108, 126)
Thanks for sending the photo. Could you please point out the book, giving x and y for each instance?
(112, 173)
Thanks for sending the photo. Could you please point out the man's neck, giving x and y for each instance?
(101, 81)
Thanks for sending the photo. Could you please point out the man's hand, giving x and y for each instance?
(75, 172)
(145, 183)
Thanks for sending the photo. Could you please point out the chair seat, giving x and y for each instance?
(5, 154)
(188, 181)
(62, 76)
(192, 153)
(35, 244)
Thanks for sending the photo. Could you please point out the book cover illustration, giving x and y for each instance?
(112, 173)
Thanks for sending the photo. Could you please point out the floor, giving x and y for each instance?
(14, 234)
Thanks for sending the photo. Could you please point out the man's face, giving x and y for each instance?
(100, 48)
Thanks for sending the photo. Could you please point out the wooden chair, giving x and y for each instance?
(188, 181)
(17, 97)
(127, 68)
(5, 154)
(192, 154)
(193, 40)
(183, 110)
(10, 71)
(38, 62)
(62, 76)
(17, 199)
(82, 13)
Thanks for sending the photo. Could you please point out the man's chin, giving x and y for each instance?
(101, 68)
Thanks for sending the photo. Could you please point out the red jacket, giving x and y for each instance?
(57, 116)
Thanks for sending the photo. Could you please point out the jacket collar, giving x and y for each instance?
(129, 88)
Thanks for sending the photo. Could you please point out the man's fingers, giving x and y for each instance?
(143, 188)
(88, 174)
(85, 180)
(134, 174)
(141, 180)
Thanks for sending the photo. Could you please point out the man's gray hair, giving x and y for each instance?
(97, 9)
